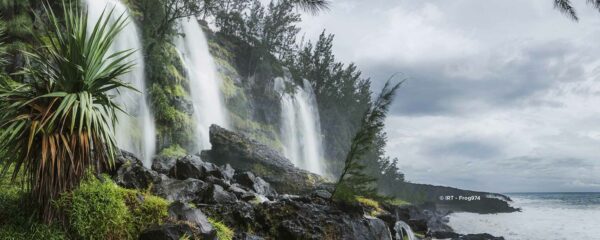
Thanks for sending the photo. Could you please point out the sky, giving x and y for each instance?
(501, 95)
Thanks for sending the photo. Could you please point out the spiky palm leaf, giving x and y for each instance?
(59, 121)
(312, 6)
(566, 7)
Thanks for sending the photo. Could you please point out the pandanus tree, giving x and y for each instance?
(57, 122)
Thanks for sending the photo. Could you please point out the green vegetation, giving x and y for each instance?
(174, 151)
(372, 205)
(15, 221)
(60, 122)
(223, 231)
(397, 202)
(96, 210)
(99, 209)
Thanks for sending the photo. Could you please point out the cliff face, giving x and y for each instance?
(253, 105)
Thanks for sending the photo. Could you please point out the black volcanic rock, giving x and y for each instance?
(135, 176)
(245, 154)
(218, 195)
(192, 167)
(181, 190)
(257, 184)
(480, 236)
(183, 212)
(162, 164)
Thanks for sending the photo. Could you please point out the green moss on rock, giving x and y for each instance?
(174, 151)
(223, 231)
(99, 209)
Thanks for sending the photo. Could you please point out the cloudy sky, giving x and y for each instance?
(502, 95)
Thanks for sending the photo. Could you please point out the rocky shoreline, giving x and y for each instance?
(261, 195)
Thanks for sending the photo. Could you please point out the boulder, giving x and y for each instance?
(135, 176)
(257, 184)
(228, 172)
(162, 164)
(322, 194)
(238, 190)
(184, 212)
(219, 181)
(123, 157)
(192, 167)
(181, 190)
(218, 195)
(167, 232)
(245, 154)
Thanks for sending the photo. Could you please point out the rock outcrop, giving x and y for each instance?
(245, 154)
(261, 195)
(245, 202)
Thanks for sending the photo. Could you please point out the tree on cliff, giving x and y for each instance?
(59, 120)
(353, 181)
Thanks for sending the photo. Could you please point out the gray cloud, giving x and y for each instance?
(473, 149)
(498, 97)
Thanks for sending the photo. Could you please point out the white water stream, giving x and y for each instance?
(300, 125)
(135, 131)
(204, 80)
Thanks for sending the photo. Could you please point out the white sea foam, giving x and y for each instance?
(542, 218)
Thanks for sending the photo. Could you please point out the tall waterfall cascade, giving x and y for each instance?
(300, 125)
(204, 80)
(135, 131)
(402, 229)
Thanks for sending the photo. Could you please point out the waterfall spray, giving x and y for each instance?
(300, 125)
(135, 130)
(204, 80)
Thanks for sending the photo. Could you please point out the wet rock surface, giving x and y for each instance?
(256, 208)
(245, 154)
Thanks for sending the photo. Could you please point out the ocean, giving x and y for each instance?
(543, 216)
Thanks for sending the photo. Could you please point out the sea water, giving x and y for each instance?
(543, 216)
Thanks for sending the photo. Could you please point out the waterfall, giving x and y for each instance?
(402, 229)
(204, 80)
(300, 125)
(135, 130)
